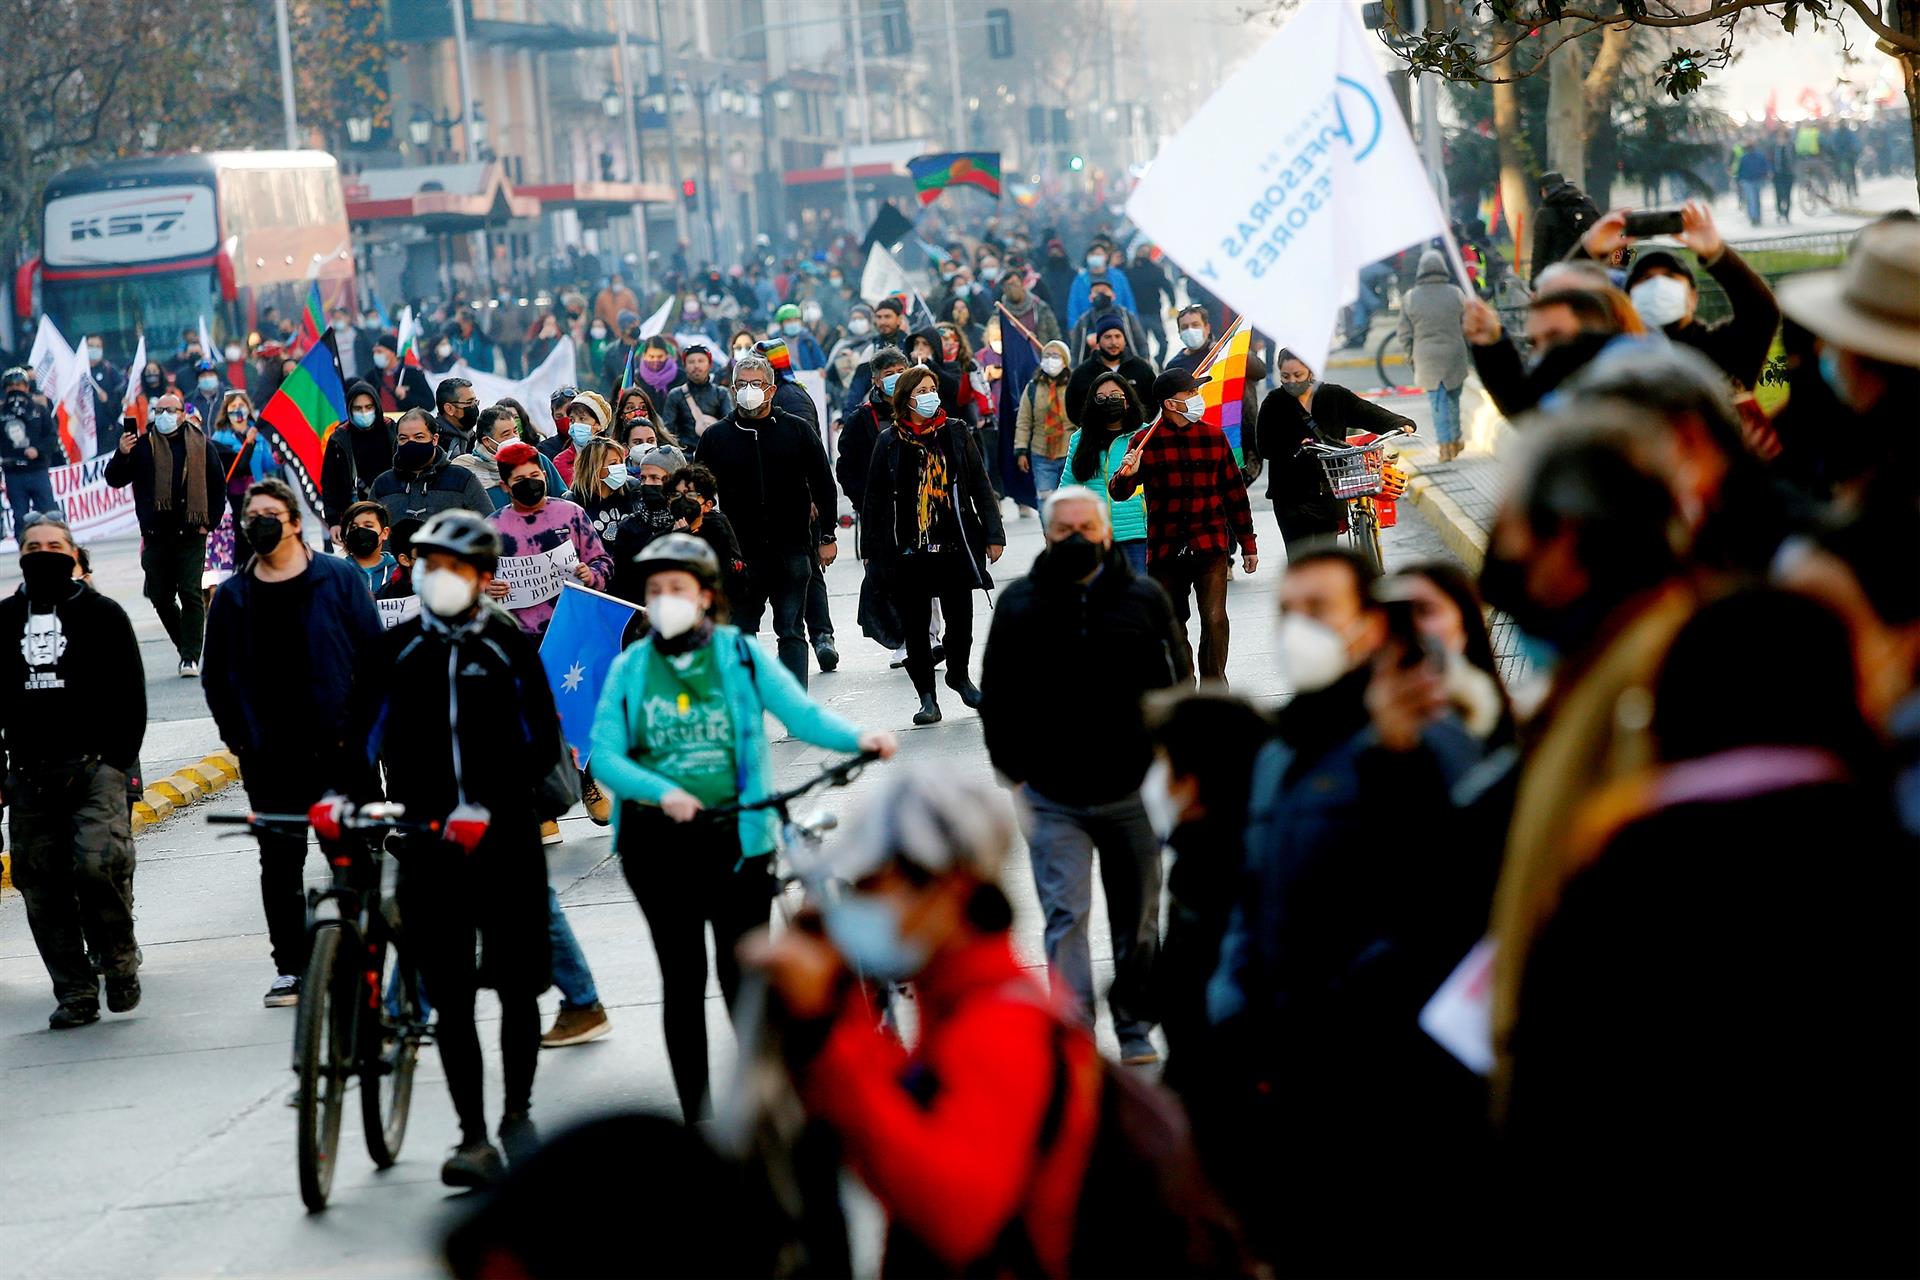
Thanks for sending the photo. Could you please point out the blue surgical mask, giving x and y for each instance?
(866, 932)
(580, 433)
(926, 403)
(1194, 406)
(617, 476)
(1096, 262)
(889, 382)
(791, 328)
(166, 423)
(208, 386)
(363, 418)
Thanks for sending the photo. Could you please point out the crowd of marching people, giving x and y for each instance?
(1616, 931)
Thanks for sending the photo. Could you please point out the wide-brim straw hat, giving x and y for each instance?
(1871, 305)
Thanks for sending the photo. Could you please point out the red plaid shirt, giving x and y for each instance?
(1196, 500)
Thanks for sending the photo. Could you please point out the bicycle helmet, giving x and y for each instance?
(926, 816)
(681, 551)
(461, 534)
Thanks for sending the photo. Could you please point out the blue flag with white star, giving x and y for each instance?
(581, 643)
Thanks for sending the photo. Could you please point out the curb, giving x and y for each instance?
(1365, 362)
(1456, 529)
(185, 788)
(179, 790)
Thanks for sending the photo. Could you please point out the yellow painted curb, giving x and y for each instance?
(1366, 362)
(160, 803)
(180, 789)
(209, 778)
(226, 762)
(6, 871)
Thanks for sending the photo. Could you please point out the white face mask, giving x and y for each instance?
(1192, 339)
(1312, 654)
(1660, 300)
(165, 423)
(672, 616)
(859, 326)
(751, 397)
(444, 592)
(1053, 365)
(1194, 406)
(444, 350)
(1162, 814)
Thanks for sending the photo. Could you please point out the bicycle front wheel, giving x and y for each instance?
(322, 1060)
(392, 1022)
(1380, 364)
(1363, 529)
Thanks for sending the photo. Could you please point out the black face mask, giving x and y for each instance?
(685, 508)
(263, 533)
(47, 576)
(1073, 557)
(653, 495)
(413, 455)
(528, 491)
(1107, 411)
(360, 540)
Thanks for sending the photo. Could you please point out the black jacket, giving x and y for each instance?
(455, 440)
(353, 460)
(676, 415)
(973, 499)
(1136, 371)
(1152, 293)
(26, 424)
(72, 689)
(1563, 217)
(1514, 386)
(773, 476)
(135, 467)
(859, 432)
(1295, 480)
(404, 387)
(441, 486)
(244, 684)
(1739, 343)
(1100, 647)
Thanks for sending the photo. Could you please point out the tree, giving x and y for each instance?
(1527, 35)
(91, 80)
(340, 57)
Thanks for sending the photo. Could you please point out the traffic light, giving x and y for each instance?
(999, 33)
(690, 192)
(894, 32)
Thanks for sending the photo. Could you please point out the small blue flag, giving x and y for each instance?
(582, 640)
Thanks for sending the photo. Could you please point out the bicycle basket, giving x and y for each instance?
(1356, 474)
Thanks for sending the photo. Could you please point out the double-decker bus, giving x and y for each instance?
(157, 243)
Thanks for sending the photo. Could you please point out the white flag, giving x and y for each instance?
(885, 277)
(207, 349)
(533, 391)
(79, 422)
(653, 324)
(1295, 174)
(52, 360)
(133, 376)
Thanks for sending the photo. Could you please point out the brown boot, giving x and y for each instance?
(577, 1026)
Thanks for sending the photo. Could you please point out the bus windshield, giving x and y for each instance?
(117, 308)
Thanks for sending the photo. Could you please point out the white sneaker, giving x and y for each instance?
(189, 669)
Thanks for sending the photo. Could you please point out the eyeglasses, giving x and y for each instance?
(751, 382)
(466, 404)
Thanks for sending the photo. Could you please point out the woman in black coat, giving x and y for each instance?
(931, 524)
(1311, 410)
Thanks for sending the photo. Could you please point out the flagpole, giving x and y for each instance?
(1026, 333)
(581, 586)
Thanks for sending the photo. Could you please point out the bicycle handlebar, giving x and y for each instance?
(382, 815)
(838, 775)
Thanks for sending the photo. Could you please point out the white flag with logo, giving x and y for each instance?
(135, 384)
(1296, 173)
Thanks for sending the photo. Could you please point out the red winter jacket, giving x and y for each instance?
(954, 1170)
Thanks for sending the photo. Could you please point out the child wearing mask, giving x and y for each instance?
(364, 530)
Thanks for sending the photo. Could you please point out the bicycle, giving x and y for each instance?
(803, 836)
(1357, 475)
(361, 1011)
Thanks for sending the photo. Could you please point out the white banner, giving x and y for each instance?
(536, 579)
(654, 323)
(1295, 174)
(396, 611)
(95, 511)
(532, 391)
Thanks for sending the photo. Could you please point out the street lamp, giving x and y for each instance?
(611, 103)
(420, 128)
(783, 99)
(359, 130)
(479, 127)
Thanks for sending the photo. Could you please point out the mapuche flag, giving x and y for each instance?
(934, 174)
(298, 417)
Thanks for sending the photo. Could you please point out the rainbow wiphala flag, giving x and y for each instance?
(934, 174)
(1227, 365)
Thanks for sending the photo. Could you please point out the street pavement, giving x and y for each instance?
(160, 1143)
